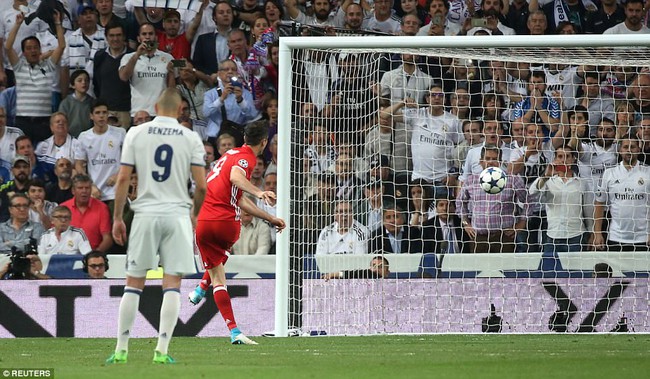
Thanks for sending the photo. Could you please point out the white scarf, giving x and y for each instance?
(561, 11)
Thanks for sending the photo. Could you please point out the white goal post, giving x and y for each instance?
(570, 49)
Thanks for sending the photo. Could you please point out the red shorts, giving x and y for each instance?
(215, 239)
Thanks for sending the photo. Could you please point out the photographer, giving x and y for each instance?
(18, 230)
(23, 265)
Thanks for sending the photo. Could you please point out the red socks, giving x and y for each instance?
(205, 281)
(222, 299)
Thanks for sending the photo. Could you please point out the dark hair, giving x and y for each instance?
(21, 195)
(94, 254)
(22, 138)
(256, 132)
(577, 109)
(445, 2)
(77, 73)
(538, 74)
(35, 183)
(145, 24)
(277, 5)
(214, 10)
(26, 39)
(113, 25)
(98, 103)
(490, 147)
(562, 24)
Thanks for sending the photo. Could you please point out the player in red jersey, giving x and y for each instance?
(218, 225)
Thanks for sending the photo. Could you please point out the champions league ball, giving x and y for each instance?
(493, 180)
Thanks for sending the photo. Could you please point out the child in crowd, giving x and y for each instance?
(77, 105)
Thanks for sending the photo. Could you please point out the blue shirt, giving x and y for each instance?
(241, 113)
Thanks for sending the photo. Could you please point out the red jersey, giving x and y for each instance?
(222, 196)
(177, 46)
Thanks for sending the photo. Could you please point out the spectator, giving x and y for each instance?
(99, 151)
(625, 190)
(472, 133)
(388, 138)
(421, 205)
(140, 117)
(562, 194)
(33, 75)
(61, 144)
(19, 230)
(492, 221)
(212, 48)
(382, 18)
(323, 15)
(272, 164)
(248, 12)
(76, 107)
(40, 210)
(643, 134)
(318, 209)
(193, 89)
(633, 20)
(609, 14)
(371, 214)
(444, 234)
(492, 13)
(459, 103)
(624, 111)
(572, 10)
(379, 268)
(225, 142)
(95, 264)
(348, 185)
(345, 236)
(640, 91)
(600, 106)
(538, 107)
(440, 24)
(148, 70)
(254, 238)
(199, 126)
(517, 16)
(227, 102)
(62, 238)
(20, 169)
(395, 236)
(257, 176)
(61, 189)
(106, 77)
(174, 42)
(354, 17)
(90, 214)
(270, 184)
(8, 135)
(411, 24)
(537, 23)
(434, 132)
(106, 17)
(406, 83)
(35, 269)
(315, 74)
(81, 46)
(8, 103)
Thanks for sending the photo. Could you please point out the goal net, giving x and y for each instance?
(382, 145)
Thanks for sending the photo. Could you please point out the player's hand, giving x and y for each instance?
(268, 197)
(278, 223)
(119, 232)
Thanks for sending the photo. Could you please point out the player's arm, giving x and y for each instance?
(246, 204)
(198, 174)
(121, 190)
(238, 178)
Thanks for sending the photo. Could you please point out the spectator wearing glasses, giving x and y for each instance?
(96, 264)
(62, 238)
(18, 230)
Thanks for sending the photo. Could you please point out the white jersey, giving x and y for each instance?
(432, 142)
(7, 21)
(102, 155)
(159, 150)
(391, 25)
(8, 146)
(565, 82)
(48, 152)
(73, 241)
(354, 241)
(593, 160)
(627, 193)
(398, 85)
(473, 160)
(148, 81)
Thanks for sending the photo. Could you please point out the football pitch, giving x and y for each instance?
(429, 356)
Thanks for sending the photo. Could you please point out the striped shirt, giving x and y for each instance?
(81, 49)
(73, 241)
(33, 88)
(8, 145)
(354, 241)
(491, 213)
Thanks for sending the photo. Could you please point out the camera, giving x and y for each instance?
(235, 82)
(150, 45)
(179, 63)
(20, 265)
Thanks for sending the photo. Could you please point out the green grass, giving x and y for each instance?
(445, 356)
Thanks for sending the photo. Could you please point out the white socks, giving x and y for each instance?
(127, 312)
(171, 306)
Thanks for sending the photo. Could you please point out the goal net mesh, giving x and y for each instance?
(390, 230)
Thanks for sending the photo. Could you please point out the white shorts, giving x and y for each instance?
(164, 239)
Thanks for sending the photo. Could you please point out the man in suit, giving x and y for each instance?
(212, 48)
(443, 233)
(395, 237)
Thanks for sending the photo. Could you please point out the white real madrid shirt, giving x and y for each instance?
(432, 142)
(627, 193)
(73, 241)
(354, 241)
(102, 155)
(162, 151)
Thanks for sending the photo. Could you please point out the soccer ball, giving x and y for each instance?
(493, 180)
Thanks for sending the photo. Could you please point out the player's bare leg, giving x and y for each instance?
(222, 299)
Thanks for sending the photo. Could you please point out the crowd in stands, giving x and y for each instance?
(390, 145)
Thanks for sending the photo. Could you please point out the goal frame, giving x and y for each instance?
(288, 44)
